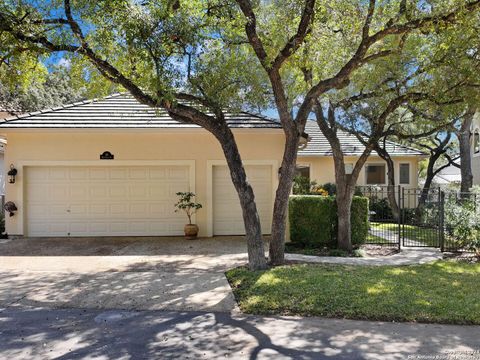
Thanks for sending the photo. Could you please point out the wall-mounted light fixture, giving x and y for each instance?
(11, 174)
(10, 207)
(303, 141)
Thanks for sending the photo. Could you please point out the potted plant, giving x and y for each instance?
(186, 203)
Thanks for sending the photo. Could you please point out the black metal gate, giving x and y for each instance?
(397, 220)
(421, 217)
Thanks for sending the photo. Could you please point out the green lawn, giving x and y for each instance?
(424, 235)
(443, 292)
(371, 239)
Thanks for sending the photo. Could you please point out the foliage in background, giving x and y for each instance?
(380, 209)
(462, 222)
(302, 185)
(313, 220)
(331, 188)
(51, 90)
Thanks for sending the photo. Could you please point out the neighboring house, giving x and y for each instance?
(315, 161)
(450, 176)
(475, 149)
(69, 185)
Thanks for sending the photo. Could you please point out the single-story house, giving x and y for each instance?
(112, 167)
(450, 176)
(315, 161)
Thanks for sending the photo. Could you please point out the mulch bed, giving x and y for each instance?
(379, 250)
(462, 257)
(367, 250)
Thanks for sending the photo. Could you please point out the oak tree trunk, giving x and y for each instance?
(426, 189)
(253, 230)
(465, 151)
(280, 208)
(390, 181)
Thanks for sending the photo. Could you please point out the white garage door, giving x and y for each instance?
(104, 201)
(227, 213)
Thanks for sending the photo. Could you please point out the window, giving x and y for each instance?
(348, 169)
(476, 142)
(303, 171)
(404, 173)
(375, 174)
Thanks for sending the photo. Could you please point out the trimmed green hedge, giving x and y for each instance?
(313, 220)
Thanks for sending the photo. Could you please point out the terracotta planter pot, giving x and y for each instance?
(191, 231)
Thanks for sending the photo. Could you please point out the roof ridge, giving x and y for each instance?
(404, 146)
(262, 117)
(61, 107)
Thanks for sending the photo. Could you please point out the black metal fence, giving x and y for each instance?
(421, 217)
(385, 227)
(417, 218)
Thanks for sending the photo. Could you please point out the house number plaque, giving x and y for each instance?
(107, 155)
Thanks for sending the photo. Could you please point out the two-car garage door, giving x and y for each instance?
(132, 200)
(104, 201)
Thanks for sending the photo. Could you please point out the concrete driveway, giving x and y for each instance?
(119, 273)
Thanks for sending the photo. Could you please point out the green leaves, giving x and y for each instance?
(185, 203)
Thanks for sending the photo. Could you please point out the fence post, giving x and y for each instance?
(400, 212)
(442, 219)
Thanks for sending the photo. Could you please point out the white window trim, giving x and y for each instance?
(306, 164)
(353, 167)
(375, 164)
(409, 173)
(475, 131)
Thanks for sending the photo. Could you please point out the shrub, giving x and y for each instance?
(302, 185)
(359, 218)
(331, 188)
(318, 190)
(462, 225)
(380, 209)
(313, 220)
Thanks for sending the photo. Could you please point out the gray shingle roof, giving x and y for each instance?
(319, 146)
(120, 111)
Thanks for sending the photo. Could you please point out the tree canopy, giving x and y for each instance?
(288, 54)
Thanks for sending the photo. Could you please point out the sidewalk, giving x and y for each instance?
(407, 256)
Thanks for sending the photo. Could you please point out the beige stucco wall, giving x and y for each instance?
(72, 146)
(322, 168)
(475, 157)
(45, 147)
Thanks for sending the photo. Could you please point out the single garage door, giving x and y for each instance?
(104, 201)
(227, 213)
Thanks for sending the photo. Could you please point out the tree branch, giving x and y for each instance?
(341, 78)
(251, 31)
(296, 40)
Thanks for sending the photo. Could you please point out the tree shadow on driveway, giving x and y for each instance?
(176, 285)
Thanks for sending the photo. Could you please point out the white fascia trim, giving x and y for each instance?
(5, 131)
